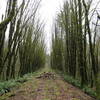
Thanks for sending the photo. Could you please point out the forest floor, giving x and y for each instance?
(46, 85)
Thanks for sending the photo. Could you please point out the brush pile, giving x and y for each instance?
(47, 75)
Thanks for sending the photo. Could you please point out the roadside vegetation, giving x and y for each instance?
(75, 50)
(75, 45)
(23, 51)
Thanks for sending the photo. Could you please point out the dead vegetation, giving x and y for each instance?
(47, 75)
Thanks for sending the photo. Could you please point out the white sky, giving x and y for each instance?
(47, 12)
(2, 6)
(48, 9)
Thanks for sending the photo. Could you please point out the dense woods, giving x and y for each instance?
(24, 50)
(75, 42)
(75, 47)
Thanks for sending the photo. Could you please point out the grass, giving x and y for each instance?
(7, 86)
(77, 83)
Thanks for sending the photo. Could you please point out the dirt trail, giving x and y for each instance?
(48, 86)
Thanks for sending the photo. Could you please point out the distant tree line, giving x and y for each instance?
(24, 50)
(75, 50)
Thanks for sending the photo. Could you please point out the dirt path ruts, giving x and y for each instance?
(49, 89)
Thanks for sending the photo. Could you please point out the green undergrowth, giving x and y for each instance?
(7, 86)
(77, 83)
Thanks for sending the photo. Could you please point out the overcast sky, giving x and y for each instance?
(48, 10)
